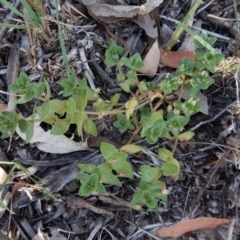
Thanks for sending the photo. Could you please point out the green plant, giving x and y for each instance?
(142, 114)
(33, 18)
(29, 174)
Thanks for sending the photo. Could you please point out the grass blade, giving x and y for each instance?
(179, 29)
(64, 52)
(195, 36)
(12, 8)
(35, 19)
(8, 25)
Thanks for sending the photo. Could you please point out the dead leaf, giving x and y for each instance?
(3, 176)
(12, 74)
(3, 107)
(148, 25)
(40, 236)
(183, 227)
(95, 142)
(102, 9)
(151, 61)
(51, 143)
(173, 59)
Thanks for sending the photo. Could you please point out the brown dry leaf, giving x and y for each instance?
(3, 176)
(183, 227)
(151, 61)
(103, 9)
(3, 107)
(173, 59)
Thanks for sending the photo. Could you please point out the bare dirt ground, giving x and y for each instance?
(208, 185)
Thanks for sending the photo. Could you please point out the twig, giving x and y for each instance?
(212, 119)
(220, 161)
(230, 230)
(94, 231)
(200, 29)
(88, 73)
(204, 7)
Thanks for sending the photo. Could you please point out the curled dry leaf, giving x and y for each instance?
(151, 61)
(183, 227)
(3, 107)
(103, 9)
(51, 143)
(173, 59)
(3, 175)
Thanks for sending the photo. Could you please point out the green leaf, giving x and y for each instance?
(115, 99)
(204, 38)
(23, 125)
(78, 119)
(109, 178)
(122, 123)
(8, 123)
(135, 62)
(112, 54)
(82, 101)
(131, 148)
(121, 77)
(156, 187)
(89, 186)
(142, 86)
(70, 105)
(147, 122)
(29, 132)
(165, 155)
(186, 136)
(104, 167)
(123, 168)
(58, 106)
(137, 198)
(107, 150)
(100, 189)
(23, 83)
(60, 126)
(170, 169)
(197, 37)
(90, 127)
(157, 115)
(44, 110)
(48, 95)
(143, 185)
(89, 168)
(150, 174)
(125, 86)
(117, 157)
(39, 90)
(186, 67)
(69, 85)
(149, 200)
(82, 177)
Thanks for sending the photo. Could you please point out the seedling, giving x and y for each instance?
(142, 114)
